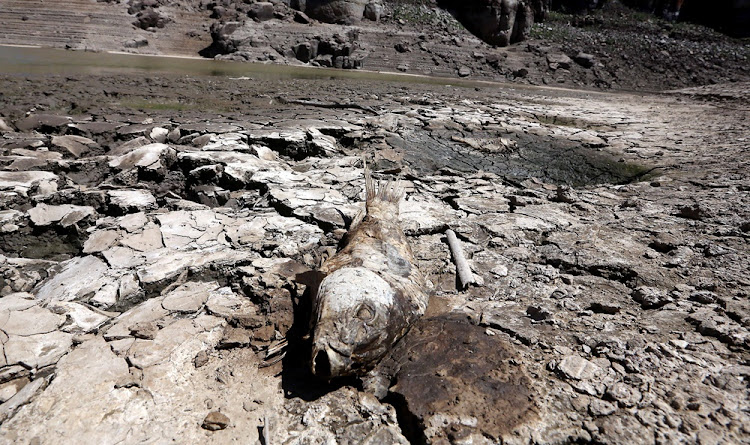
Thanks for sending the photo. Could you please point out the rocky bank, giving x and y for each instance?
(602, 45)
(152, 229)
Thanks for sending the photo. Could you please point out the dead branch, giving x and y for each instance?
(317, 103)
(465, 276)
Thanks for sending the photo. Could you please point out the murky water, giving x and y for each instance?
(30, 60)
(551, 159)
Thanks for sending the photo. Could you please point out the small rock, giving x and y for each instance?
(301, 17)
(201, 140)
(703, 296)
(66, 215)
(556, 61)
(154, 158)
(599, 407)
(159, 134)
(694, 212)
(189, 297)
(215, 421)
(4, 127)
(624, 394)
(565, 194)
(538, 313)
(650, 297)
(37, 351)
(144, 330)
(303, 52)
(500, 270)
(234, 338)
(521, 72)
(44, 123)
(605, 307)
(402, 47)
(150, 18)
(577, 368)
(128, 201)
(77, 278)
(34, 320)
(464, 71)
(100, 241)
(136, 43)
(133, 221)
(24, 180)
(149, 239)
(174, 135)
(584, 59)
(200, 359)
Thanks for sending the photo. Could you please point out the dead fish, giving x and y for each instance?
(372, 291)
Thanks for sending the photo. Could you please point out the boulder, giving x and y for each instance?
(497, 22)
(150, 18)
(336, 11)
(373, 11)
(304, 52)
(261, 11)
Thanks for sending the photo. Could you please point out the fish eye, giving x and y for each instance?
(365, 313)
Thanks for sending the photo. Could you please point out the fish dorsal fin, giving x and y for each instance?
(379, 192)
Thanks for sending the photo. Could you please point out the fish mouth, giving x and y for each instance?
(327, 363)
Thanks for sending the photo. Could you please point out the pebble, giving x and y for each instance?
(215, 421)
(599, 407)
(577, 368)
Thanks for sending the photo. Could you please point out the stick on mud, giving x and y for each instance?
(465, 276)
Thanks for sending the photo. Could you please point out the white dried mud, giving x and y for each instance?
(608, 234)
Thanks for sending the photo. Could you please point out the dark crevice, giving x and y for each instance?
(411, 426)
(46, 243)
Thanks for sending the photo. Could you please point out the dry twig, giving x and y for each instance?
(465, 276)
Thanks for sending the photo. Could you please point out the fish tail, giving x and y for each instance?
(380, 192)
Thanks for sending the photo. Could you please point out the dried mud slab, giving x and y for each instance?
(459, 382)
(147, 279)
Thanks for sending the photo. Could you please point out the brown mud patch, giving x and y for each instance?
(455, 380)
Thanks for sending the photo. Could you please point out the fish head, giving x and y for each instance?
(355, 313)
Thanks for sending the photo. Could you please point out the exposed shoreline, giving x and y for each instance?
(152, 225)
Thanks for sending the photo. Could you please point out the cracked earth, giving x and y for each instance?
(151, 229)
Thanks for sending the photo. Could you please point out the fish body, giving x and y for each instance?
(372, 292)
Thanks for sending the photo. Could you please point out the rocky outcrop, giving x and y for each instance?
(497, 22)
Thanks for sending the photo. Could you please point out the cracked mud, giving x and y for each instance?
(151, 229)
